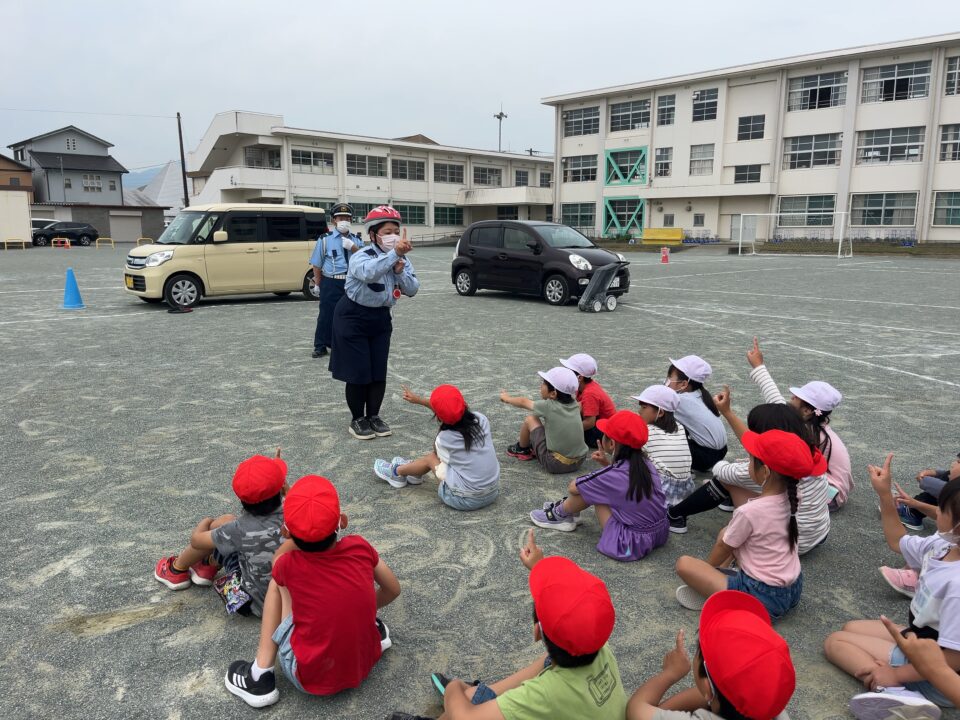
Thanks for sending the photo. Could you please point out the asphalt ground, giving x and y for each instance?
(122, 425)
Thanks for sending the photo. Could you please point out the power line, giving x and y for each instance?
(82, 112)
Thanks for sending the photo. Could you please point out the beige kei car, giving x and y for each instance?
(227, 249)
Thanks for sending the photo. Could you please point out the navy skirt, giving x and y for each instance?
(361, 342)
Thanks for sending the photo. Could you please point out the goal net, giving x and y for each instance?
(805, 233)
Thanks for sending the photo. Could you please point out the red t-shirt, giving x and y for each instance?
(335, 637)
(594, 402)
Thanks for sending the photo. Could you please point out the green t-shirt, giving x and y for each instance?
(563, 427)
(592, 691)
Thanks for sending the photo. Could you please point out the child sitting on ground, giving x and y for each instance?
(320, 614)
(742, 668)
(243, 545)
(762, 534)
(464, 459)
(626, 495)
(667, 445)
(862, 649)
(553, 433)
(700, 418)
(595, 404)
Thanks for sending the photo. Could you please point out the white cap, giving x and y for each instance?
(694, 367)
(582, 364)
(562, 379)
(819, 395)
(660, 396)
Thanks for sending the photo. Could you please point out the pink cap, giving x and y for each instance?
(660, 396)
(582, 364)
(562, 379)
(694, 367)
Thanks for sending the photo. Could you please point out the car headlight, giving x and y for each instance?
(158, 258)
(622, 258)
(580, 262)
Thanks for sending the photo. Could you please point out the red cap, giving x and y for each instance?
(447, 404)
(746, 660)
(573, 607)
(258, 478)
(785, 453)
(311, 510)
(626, 427)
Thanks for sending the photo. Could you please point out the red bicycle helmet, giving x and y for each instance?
(380, 215)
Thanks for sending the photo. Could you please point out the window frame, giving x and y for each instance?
(666, 109)
(660, 162)
(353, 160)
(810, 202)
(581, 121)
(480, 171)
(746, 174)
(584, 210)
(705, 103)
(438, 221)
(952, 84)
(669, 220)
(580, 165)
(949, 143)
(950, 211)
(92, 183)
(874, 82)
(885, 207)
(699, 220)
(631, 172)
(320, 162)
(804, 88)
(516, 178)
(871, 150)
(413, 213)
(611, 219)
(748, 130)
(545, 178)
(629, 115)
(449, 168)
(506, 213)
(711, 159)
(400, 169)
(800, 148)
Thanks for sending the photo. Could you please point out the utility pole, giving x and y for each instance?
(499, 118)
(183, 164)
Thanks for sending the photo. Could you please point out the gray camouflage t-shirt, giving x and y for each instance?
(253, 538)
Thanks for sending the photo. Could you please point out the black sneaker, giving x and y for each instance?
(361, 430)
(678, 525)
(519, 452)
(440, 682)
(385, 641)
(379, 427)
(319, 353)
(255, 693)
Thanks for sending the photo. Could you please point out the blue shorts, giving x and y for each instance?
(285, 656)
(465, 502)
(483, 693)
(897, 658)
(777, 600)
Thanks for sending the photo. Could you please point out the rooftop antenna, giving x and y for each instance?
(499, 118)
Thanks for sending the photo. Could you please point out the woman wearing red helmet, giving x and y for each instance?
(377, 277)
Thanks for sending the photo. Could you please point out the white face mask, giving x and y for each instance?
(343, 227)
(950, 536)
(388, 242)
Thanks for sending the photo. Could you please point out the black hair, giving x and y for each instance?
(264, 507)
(641, 483)
(704, 394)
(793, 531)
(817, 422)
(316, 546)
(586, 380)
(666, 422)
(726, 709)
(562, 397)
(560, 656)
(469, 428)
(949, 500)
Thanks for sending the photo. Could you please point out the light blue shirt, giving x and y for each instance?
(336, 260)
(371, 279)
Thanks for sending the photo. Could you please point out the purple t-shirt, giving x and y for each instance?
(608, 486)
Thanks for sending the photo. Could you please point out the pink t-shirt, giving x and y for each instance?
(758, 534)
(839, 472)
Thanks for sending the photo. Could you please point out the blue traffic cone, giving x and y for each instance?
(71, 293)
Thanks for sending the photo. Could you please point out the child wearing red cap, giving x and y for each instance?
(626, 494)
(243, 545)
(320, 614)
(762, 534)
(742, 668)
(464, 458)
(862, 649)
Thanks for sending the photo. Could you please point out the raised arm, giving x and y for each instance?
(520, 402)
(882, 483)
(761, 376)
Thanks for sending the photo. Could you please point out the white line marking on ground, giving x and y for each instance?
(55, 290)
(76, 317)
(809, 297)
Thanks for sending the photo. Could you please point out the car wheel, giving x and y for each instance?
(611, 303)
(464, 283)
(84, 240)
(309, 288)
(152, 301)
(40, 241)
(182, 291)
(556, 290)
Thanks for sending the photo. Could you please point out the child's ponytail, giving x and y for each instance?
(641, 482)
(792, 530)
(818, 423)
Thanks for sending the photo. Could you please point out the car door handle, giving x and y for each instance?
(273, 249)
(502, 256)
(251, 251)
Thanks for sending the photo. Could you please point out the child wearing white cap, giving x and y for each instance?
(595, 404)
(700, 418)
(667, 445)
(553, 432)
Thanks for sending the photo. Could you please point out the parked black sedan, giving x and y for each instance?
(77, 233)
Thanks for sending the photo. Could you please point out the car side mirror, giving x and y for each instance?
(220, 236)
(535, 246)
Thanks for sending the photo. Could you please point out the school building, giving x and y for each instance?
(253, 157)
(867, 135)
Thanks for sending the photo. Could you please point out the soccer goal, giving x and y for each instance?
(807, 233)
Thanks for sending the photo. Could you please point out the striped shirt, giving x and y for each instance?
(670, 455)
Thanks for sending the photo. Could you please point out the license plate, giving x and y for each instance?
(129, 280)
(615, 283)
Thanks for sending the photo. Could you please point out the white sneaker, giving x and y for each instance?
(387, 471)
(726, 507)
(690, 598)
(893, 703)
(411, 479)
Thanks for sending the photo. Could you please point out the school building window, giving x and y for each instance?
(705, 104)
(666, 109)
(546, 178)
(584, 121)
(663, 162)
(579, 168)
(92, 183)
(750, 127)
(889, 146)
(312, 161)
(508, 212)
(407, 169)
(360, 209)
(448, 173)
(903, 81)
(897, 209)
(261, 157)
(806, 210)
(812, 92)
(626, 166)
(488, 176)
(368, 165)
(668, 220)
(953, 76)
(746, 174)
(622, 216)
(807, 151)
(579, 215)
(447, 215)
(949, 142)
(549, 213)
(946, 208)
(699, 220)
(521, 178)
(701, 159)
(412, 214)
(631, 115)
(321, 203)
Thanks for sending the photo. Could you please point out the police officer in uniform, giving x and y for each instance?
(330, 260)
(377, 277)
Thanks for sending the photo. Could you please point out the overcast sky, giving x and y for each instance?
(441, 68)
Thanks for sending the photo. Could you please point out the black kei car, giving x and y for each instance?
(530, 257)
(76, 233)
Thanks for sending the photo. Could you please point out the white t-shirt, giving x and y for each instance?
(474, 473)
(705, 428)
(937, 602)
(669, 452)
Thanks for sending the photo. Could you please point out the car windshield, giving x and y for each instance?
(561, 236)
(181, 229)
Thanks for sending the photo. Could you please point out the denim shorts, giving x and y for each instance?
(285, 656)
(483, 693)
(777, 600)
(897, 658)
(465, 502)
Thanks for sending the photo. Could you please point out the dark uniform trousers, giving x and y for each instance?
(331, 290)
